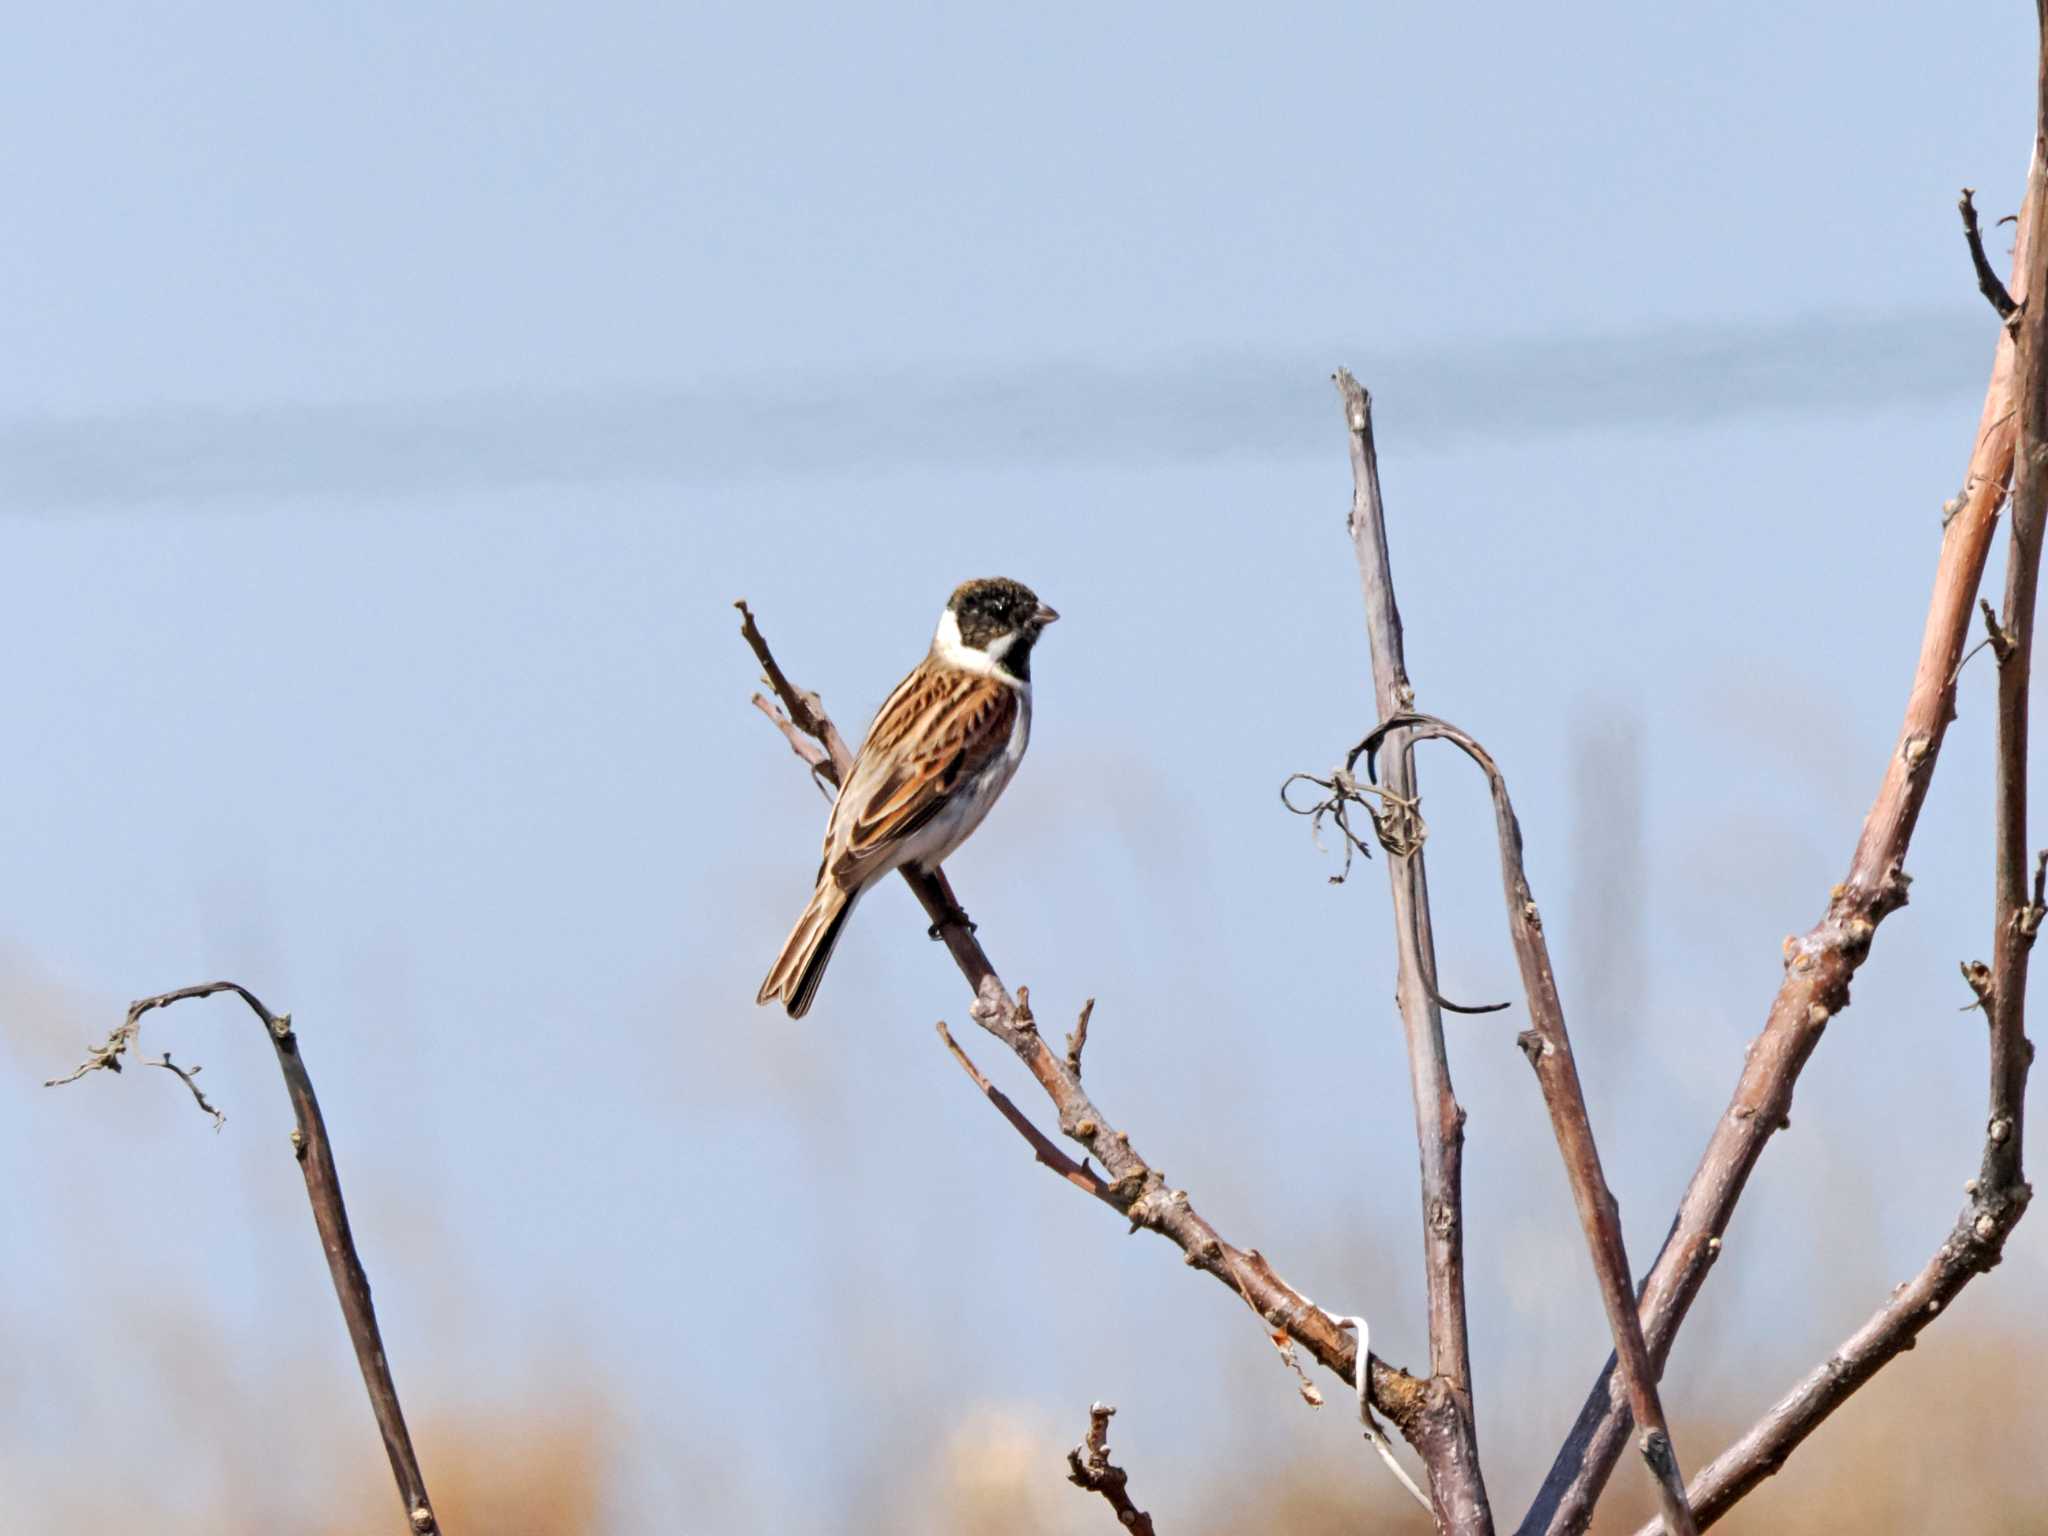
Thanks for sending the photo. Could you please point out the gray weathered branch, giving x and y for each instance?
(1456, 1485)
(1548, 1046)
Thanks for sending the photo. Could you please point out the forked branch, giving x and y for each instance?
(1548, 1046)
(1997, 1198)
(1820, 964)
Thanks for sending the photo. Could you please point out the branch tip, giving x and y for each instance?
(1988, 281)
(1089, 1468)
(1078, 1040)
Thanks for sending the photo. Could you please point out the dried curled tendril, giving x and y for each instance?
(1396, 819)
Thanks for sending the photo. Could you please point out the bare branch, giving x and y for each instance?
(1080, 1175)
(1548, 1047)
(187, 1076)
(823, 773)
(315, 1154)
(1987, 280)
(1972, 1248)
(1820, 964)
(2016, 918)
(1456, 1484)
(806, 710)
(1089, 1467)
(1136, 1189)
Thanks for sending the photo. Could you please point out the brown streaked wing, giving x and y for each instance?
(939, 726)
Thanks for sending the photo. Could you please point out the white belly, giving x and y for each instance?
(935, 841)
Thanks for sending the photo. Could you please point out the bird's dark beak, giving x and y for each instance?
(1044, 616)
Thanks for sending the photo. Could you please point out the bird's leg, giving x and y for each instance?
(955, 913)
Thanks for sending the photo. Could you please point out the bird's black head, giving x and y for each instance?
(1001, 618)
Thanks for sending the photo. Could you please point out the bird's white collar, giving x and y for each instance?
(949, 648)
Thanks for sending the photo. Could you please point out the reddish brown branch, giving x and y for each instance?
(1136, 1189)
(1457, 1487)
(2017, 913)
(315, 1154)
(1972, 1248)
(1548, 1046)
(1089, 1467)
(1080, 1175)
(1820, 964)
(1998, 1196)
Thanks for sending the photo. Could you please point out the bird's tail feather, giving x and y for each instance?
(800, 967)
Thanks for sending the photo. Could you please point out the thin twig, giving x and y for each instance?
(188, 1076)
(315, 1154)
(1987, 279)
(1089, 1467)
(1080, 1175)
(1077, 1042)
(1455, 1481)
(1994, 632)
(1548, 1046)
(823, 773)
(106, 1057)
(805, 710)
(1820, 964)
(1136, 1189)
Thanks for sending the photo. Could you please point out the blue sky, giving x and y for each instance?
(392, 406)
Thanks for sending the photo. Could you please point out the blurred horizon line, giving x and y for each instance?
(1202, 406)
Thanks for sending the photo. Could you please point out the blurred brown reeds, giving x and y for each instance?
(1948, 1440)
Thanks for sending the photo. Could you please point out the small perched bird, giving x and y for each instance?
(941, 749)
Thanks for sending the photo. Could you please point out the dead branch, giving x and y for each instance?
(1456, 1484)
(1820, 964)
(1089, 1467)
(106, 1057)
(1547, 1044)
(315, 1154)
(1988, 282)
(1136, 1189)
